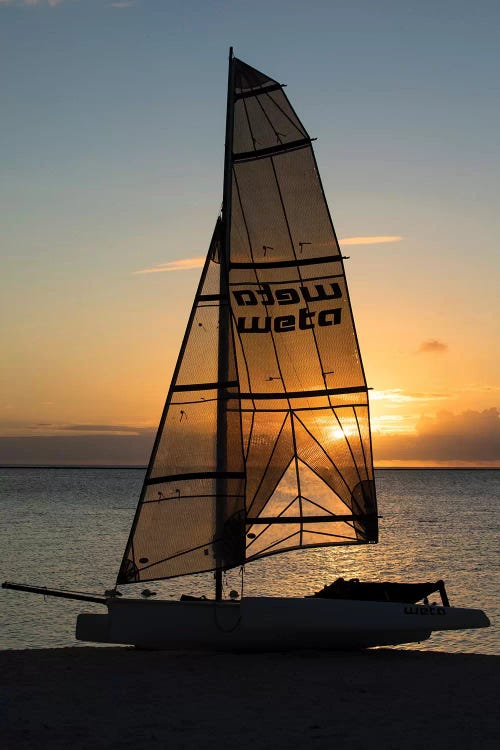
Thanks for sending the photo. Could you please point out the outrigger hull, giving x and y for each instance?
(263, 623)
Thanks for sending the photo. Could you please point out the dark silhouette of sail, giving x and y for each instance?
(298, 465)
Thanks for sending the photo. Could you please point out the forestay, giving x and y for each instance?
(270, 451)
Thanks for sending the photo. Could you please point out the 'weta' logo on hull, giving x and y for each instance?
(418, 609)
(283, 323)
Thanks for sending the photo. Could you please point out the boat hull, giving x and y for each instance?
(267, 623)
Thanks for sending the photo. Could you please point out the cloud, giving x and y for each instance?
(479, 388)
(376, 240)
(89, 429)
(77, 450)
(433, 345)
(109, 428)
(389, 424)
(398, 396)
(123, 4)
(470, 437)
(189, 263)
(185, 264)
(32, 3)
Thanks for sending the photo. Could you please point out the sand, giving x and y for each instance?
(122, 698)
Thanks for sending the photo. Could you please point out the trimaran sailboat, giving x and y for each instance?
(264, 444)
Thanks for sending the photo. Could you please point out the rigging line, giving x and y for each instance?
(254, 141)
(266, 527)
(297, 474)
(351, 542)
(361, 440)
(250, 433)
(214, 541)
(351, 525)
(246, 449)
(301, 129)
(325, 533)
(183, 497)
(181, 575)
(235, 363)
(245, 361)
(278, 480)
(263, 476)
(200, 401)
(247, 369)
(317, 474)
(326, 454)
(321, 507)
(132, 551)
(276, 133)
(334, 410)
(265, 552)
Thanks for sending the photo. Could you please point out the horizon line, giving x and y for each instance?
(144, 467)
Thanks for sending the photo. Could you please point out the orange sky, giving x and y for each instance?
(99, 372)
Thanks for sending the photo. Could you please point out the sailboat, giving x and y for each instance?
(264, 443)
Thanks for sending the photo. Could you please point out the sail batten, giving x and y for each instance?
(264, 445)
(270, 150)
(258, 91)
(270, 520)
(295, 263)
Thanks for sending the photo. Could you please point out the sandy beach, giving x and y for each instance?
(123, 698)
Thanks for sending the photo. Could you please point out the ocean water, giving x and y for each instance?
(67, 528)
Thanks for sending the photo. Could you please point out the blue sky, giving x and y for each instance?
(112, 153)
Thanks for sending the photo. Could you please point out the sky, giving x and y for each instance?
(112, 147)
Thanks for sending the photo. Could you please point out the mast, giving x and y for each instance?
(224, 322)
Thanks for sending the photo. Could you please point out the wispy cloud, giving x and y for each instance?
(91, 429)
(393, 424)
(185, 264)
(51, 428)
(399, 396)
(479, 388)
(434, 346)
(375, 240)
(32, 3)
(189, 263)
(123, 4)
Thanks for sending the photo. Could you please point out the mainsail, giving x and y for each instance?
(264, 443)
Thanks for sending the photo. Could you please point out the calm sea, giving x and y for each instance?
(67, 528)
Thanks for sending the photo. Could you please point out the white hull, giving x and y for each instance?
(270, 623)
